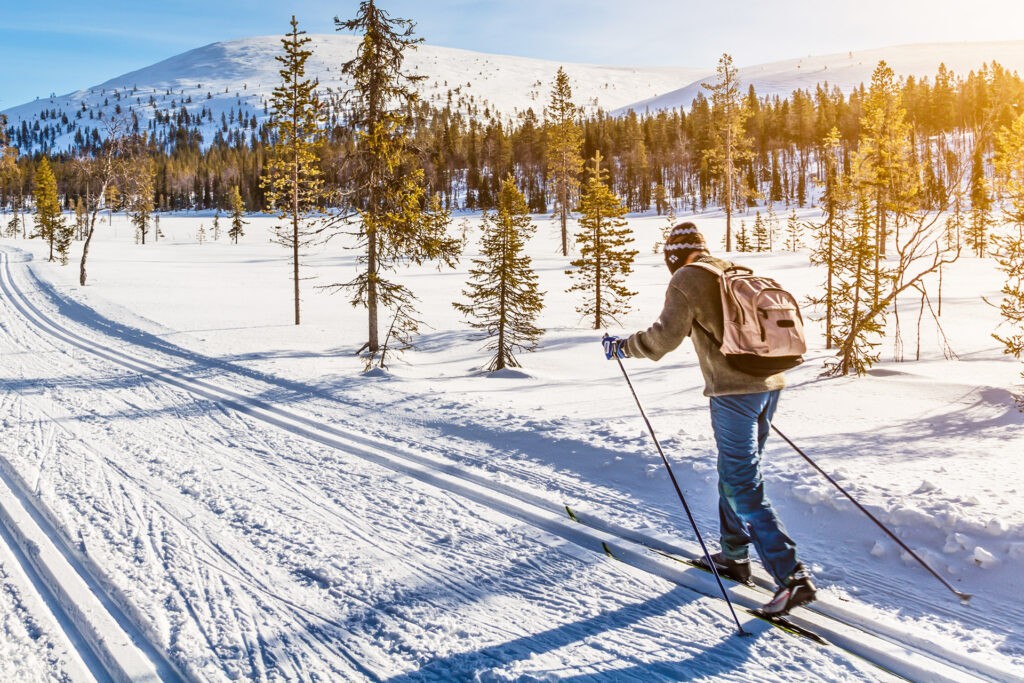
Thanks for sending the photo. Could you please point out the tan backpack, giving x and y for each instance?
(764, 331)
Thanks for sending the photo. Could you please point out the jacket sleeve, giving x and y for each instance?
(669, 331)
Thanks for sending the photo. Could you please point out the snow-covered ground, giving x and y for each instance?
(255, 507)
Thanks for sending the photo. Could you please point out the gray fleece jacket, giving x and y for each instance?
(693, 308)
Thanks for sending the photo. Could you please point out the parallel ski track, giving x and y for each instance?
(94, 665)
(884, 647)
(105, 638)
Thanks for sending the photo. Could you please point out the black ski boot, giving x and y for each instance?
(737, 570)
(799, 590)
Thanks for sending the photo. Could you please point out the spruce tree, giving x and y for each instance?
(292, 177)
(564, 142)
(48, 219)
(504, 299)
(605, 257)
(237, 215)
(398, 223)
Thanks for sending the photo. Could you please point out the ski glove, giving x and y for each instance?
(613, 346)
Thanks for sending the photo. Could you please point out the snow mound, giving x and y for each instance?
(507, 373)
(984, 558)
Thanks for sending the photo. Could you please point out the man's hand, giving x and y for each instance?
(614, 347)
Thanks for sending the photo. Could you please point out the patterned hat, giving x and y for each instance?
(683, 241)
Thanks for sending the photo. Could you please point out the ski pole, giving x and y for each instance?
(682, 499)
(963, 596)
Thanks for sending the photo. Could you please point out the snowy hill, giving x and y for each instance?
(849, 69)
(236, 78)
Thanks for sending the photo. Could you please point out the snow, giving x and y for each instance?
(333, 523)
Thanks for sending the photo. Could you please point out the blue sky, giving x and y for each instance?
(62, 45)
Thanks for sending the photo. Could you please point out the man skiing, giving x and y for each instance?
(742, 407)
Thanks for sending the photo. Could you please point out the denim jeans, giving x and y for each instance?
(741, 424)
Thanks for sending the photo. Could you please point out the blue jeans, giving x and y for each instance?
(741, 424)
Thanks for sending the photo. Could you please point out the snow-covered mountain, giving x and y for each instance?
(232, 77)
(848, 70)
(225, 87)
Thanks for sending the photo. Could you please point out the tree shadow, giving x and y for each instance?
(724, 657)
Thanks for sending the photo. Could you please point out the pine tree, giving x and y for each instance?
(564, 142)
(729, 144)
(504, 299)
(10, 177)
(830, 235)
(761, 239)
(48, 219)
(398, 223)
(292, 178)
(216, 226)
(139, 200)
(885, 158)
(238, 223)
(1009, 166)
(742, 238)
(605, 259)
(8, 158)
(954, 228)
(771, 221)
(201, 234)
(857, 324)
(661, 199)
(979, 220)
(794, 232)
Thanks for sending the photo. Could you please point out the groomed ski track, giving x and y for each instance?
(107, 643)
(882, 647)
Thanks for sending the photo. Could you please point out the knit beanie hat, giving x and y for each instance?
(683, 240)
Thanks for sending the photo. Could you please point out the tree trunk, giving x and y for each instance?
(295, 264)
(563, 201)
(373, 343)
(85, 252)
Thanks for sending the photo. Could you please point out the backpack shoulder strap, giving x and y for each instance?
(718, 273)
(704, 265)
(712, 268)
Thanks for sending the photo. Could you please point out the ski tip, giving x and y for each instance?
(572, 515)
(607, 550)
